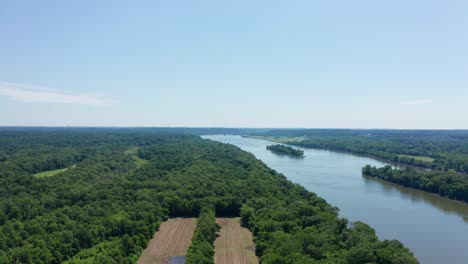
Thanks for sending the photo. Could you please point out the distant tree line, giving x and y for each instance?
(449, 184)
(396, 152)
(448, 149)
(201, 251)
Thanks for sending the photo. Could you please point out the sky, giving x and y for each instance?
(299, 64)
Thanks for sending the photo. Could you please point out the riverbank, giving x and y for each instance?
(295, 141)
(433, 227)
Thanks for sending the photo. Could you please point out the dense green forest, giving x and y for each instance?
(201, 251)
(108, 204)
(449, 184)
(287, 150)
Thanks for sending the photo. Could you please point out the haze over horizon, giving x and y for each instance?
(266, 64)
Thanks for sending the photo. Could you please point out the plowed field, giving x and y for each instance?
(235, 243)
(172, 239)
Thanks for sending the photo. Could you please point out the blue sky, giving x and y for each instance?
(333, 64)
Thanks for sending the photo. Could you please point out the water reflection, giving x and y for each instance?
(416, 196)
(176, 260)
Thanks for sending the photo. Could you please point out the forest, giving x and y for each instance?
(448, 184)
(108, 203)
(201, 250)
(286, 150)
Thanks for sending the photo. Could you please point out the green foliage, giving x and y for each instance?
(449, 184)
(133, 152)
(246, 214)
(201, 250)
(286, 150)
(107, 208)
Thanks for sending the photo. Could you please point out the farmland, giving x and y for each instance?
(234, 244)
(171, 240)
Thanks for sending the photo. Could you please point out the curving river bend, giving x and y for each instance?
(434, 228)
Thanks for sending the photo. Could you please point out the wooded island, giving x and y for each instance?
(286, 150)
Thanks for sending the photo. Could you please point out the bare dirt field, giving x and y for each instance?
(172, 239)
(235, 243)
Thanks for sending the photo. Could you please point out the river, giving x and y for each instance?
(434, 228)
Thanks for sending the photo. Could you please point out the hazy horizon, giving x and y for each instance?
(270, 128)
(296, 64)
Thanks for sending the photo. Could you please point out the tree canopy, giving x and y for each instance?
(107, 207)
(449, 184)
(287, 150)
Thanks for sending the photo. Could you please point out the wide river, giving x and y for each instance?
(434, 228)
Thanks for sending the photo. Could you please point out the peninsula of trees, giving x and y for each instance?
(450, 184)
(286, 150)
(122, 184)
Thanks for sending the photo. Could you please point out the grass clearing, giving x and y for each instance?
(51, 172)
(235, 243)
(420, 158)
(172, 239)
(133, 151)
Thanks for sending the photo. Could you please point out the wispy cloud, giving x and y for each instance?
(35, 94)
(416, 102)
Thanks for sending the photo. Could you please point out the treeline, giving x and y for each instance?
(287, 150)
(137, 130)
(449, 184)
(389, 150)
(446, 150)
(106, 209)
(302, 228)
(201, 251)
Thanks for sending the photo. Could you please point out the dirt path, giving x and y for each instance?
(235, 244)
(172, 239)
